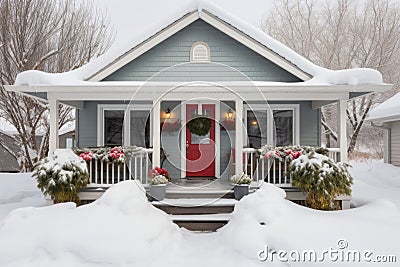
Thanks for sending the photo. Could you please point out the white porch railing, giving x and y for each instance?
(135, 167)
(271, 170)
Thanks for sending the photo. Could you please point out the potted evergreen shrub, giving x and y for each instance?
(242, 183)
(158, 183)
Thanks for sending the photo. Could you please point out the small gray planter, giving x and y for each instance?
(157, 192)
(240, 190)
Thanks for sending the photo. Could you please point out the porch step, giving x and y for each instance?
(196, 206)
(203, 223)
(186, 193)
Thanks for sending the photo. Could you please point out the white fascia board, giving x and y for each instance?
(145, 46)
(181, 96)
(189, 87)
(384, 119)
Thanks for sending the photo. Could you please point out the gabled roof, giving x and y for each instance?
(238, 29)
(386, 111)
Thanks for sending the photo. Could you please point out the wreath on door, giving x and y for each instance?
(199, 126)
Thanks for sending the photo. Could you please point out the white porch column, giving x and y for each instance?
(342, 128)
(54, 125)
(156, 133)
(239, 137)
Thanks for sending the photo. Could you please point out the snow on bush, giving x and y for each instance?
(61, 175)
(321, 179)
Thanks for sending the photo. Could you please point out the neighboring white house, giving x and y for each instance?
(200, 61)
(387, 117)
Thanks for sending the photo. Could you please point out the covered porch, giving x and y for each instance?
(239, 99)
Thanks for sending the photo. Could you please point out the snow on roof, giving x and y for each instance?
(387, 111)
(154, 17)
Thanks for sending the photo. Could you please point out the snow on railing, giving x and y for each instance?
(334, 153)
(272, 170)
(135, 167)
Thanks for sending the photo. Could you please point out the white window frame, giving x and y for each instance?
(192, 50)
(127, 118)
(295, 108)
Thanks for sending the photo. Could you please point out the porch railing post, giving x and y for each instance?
(156, 133)
(239, 136)
(342, 137)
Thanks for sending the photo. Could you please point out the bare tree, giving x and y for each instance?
(342, 34)
(47, 35)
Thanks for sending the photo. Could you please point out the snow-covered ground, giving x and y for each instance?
(17, 191)
(124, 229)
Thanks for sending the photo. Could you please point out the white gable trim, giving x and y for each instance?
(186, 20)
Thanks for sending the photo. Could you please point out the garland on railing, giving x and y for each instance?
(116, 154)
(289, 153)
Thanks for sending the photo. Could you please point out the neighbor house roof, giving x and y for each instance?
(200, 9)
(387, 111)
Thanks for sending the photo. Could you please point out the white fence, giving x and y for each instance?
(135, 167)
(271, 170)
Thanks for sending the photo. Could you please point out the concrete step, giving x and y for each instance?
(193, 206)
(203, 222)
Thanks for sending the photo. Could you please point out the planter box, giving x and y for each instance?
(157, 192)
(240, 190)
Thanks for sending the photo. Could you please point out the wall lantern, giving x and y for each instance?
(168, 113)
(230, 114)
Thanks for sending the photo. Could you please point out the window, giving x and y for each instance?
(283, 120)
(257, 128)
(120, 124)
(113, 127)
(200, 52)
(277, 124)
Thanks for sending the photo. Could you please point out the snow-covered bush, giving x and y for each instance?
(61, 175)
(240, 179)
(321, 179)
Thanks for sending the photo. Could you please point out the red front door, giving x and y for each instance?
(200, 150)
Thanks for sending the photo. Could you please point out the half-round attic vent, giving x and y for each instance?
(200, 52)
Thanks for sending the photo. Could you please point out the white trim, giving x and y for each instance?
(54, 143)
(193, 56)
(156, 110)
(183, 140)
(271, 107)
(126, 126)
(160, 87)
(217, 118)
(238, 136)
(342, 129)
